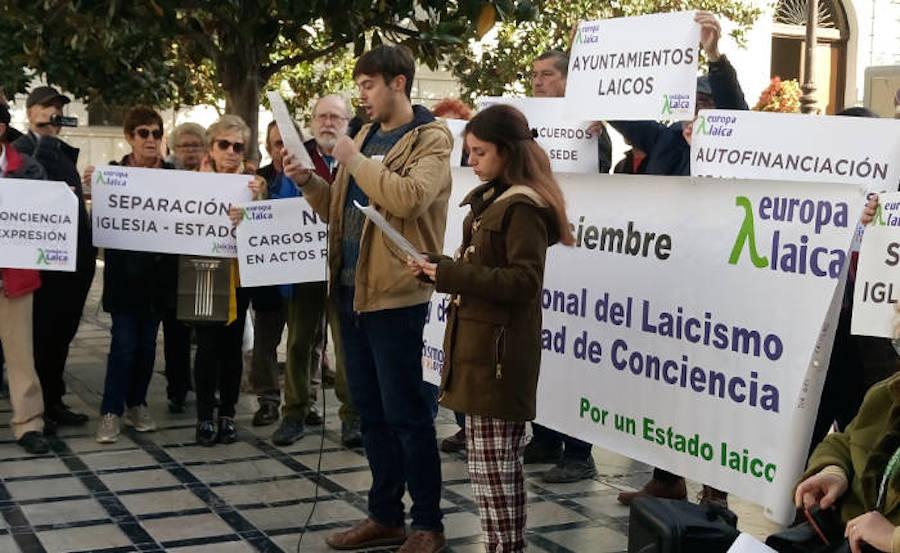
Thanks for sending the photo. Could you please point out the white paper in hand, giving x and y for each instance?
(398, 239)
(293, 143)
(748, 544)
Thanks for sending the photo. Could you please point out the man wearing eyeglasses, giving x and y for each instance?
(60, 300)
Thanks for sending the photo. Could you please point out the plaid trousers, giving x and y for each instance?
(495, 449)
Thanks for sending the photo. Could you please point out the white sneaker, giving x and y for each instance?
(139, 418)
(108, 430)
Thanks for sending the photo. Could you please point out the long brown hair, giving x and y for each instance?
(525, 162)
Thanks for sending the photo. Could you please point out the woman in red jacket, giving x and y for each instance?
(16, 293)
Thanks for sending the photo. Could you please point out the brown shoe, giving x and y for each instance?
(656, 488)
(424, 541)
(366, 534)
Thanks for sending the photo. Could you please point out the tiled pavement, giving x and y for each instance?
(161, 492)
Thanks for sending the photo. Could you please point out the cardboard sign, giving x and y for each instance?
(281, 242)
(634, 68)
(570, 143)
(158, 210)
(790, 146)
(877, 289)
(38, 225)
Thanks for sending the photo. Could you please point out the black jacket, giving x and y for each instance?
(59, 160)
(667, 151)
(144, 283)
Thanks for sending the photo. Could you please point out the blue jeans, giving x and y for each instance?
(396, 407)
(129, 365)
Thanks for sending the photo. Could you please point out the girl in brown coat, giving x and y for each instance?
(492, 346)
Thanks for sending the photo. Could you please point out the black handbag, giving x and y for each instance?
(670, 526)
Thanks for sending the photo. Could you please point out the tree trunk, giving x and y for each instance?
(242, 98)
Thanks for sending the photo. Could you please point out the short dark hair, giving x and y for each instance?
(560, 61)
(139, 116)
(858, 111)
(389, 62)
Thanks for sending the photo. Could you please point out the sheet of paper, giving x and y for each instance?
(748, 544)
(398, 239)
(293, 142)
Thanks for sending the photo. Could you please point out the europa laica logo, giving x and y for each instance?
(798, 256)
(675, 103)
(588, 34)
(48, 258)
(111, 177)
(715, 125)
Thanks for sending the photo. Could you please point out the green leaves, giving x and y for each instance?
(533, 27)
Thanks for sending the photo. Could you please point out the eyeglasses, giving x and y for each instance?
(224, 145)
(189, 146)
(323, 117)
(145, 133)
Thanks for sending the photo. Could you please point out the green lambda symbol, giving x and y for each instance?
(42, 257)
(701, 125)
(667, 108)
(745, 235)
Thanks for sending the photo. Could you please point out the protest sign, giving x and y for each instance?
(38, 225)
(456, 126)
(157, 210)
(570, 143)
(281, 242)
(788, 146)
(877, 289)
(293, 142)
(634, 68)
(690, 327)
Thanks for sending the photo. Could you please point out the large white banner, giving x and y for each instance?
(691, 326)
(877, 288)
(568, 141)
(634, 68)
(281, 242)
(787, 146)
(158, 210)
(38, 225)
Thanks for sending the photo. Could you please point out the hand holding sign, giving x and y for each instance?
(710, 31)
(293, 142)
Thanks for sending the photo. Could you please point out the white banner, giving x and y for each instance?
(569, 143)
(689, 328)
(634, 68)
(38, 225)
(158, 210)
(788, 146)
(877, 288)
(281, 242)
(456, 126)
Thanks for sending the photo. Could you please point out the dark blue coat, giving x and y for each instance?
(667, 151)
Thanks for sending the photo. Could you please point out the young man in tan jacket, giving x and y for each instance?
(400, 165)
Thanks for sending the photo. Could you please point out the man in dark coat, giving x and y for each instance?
(59, 302)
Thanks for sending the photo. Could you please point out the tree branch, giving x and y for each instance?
(267, 71)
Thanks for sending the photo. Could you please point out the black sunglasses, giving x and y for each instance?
(236, 147)
(145, 133)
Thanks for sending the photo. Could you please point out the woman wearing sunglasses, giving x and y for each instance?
(139, 287)
(218, 364)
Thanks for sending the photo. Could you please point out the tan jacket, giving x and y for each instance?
(411, 189)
